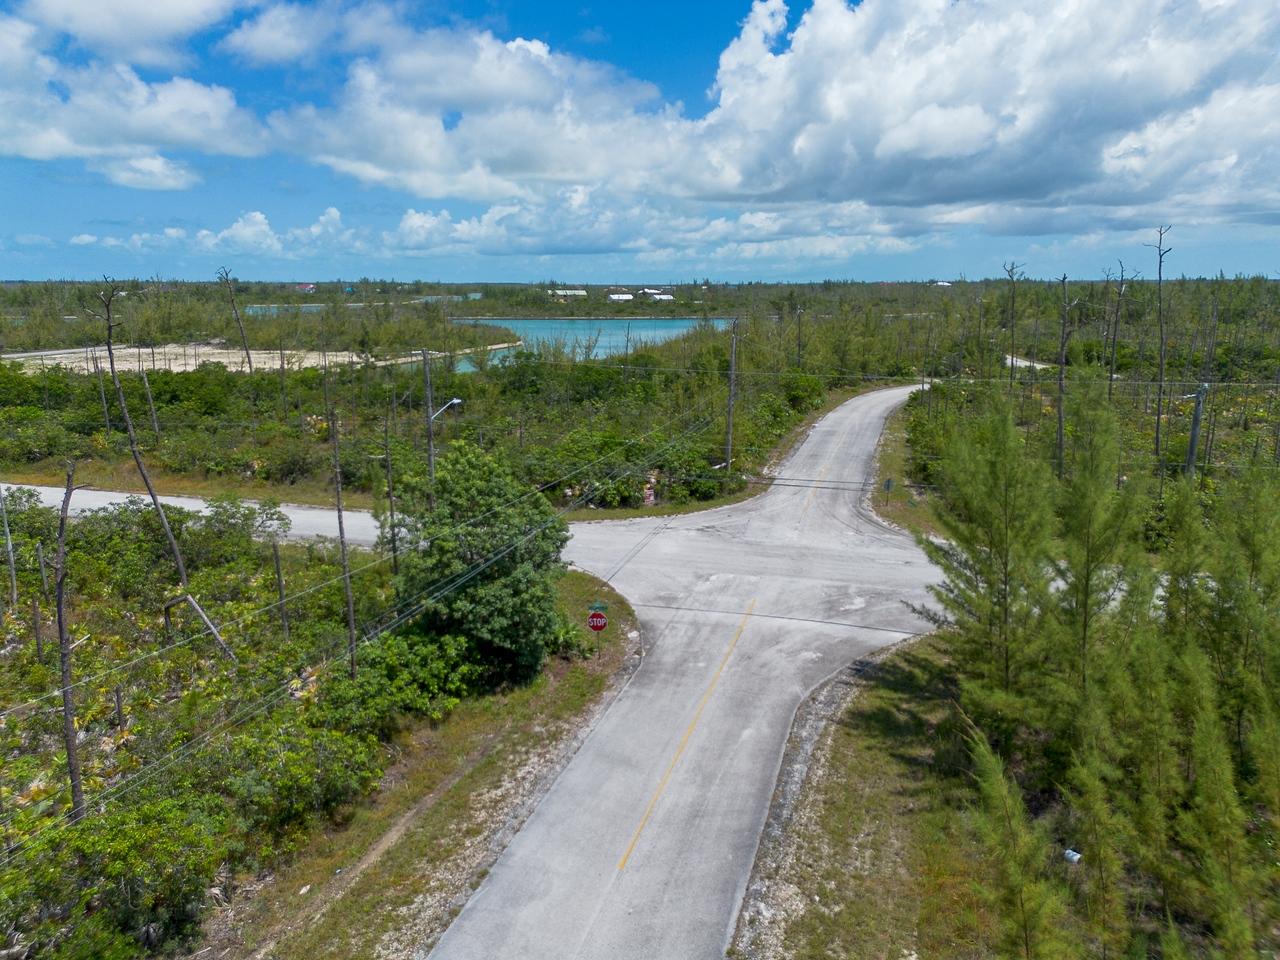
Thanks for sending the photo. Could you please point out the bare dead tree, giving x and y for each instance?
(1115, 331)
(106, 298)
(1161, 252)
(1011, 270)
(224, 277)
(1063, 336)
(151, 404)
(64, 653)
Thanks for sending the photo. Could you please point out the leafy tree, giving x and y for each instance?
(495, 544)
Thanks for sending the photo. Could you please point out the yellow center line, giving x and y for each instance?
(684, 741)
(809, 499)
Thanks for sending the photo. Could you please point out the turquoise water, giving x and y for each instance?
(608, 333)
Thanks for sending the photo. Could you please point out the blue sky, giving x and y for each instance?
(501, 140)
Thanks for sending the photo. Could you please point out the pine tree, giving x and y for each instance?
(1097, 535)
(1103, 834)
(1186, 596)
(1030, 908)
(995, 562)
(1212, 828)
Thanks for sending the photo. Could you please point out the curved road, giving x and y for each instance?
(643, 846)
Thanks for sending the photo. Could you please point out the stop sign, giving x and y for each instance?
(597, 621)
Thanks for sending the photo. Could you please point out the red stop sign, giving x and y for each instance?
(597, 621)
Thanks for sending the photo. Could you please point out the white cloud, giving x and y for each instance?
(109, 116)
(140, 31)
(283, 33)
(922, 110)
(83, 239)
(251, 233)
(152, 172)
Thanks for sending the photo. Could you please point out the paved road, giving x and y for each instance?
(306, 523)
(643, 846)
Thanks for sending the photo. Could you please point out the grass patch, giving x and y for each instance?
(884, 864)
(424, 833)
(906, 505)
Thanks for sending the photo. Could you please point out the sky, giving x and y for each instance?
(592, 142)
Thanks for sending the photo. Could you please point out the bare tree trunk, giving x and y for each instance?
(36, 629)
(44, 576)
(1161, 253)
(151, 404)
(1011, 269)
(224, 277)
(102, 392)
(1115, 334)
(106, 298)
(64, 655)
(1064, 333)
(342, 532)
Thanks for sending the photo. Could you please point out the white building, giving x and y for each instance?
(621, 297)
(567, 293)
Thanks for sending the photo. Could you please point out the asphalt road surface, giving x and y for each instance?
(643, 846)
(305, 523)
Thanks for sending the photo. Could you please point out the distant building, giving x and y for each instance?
(942, 283)
(621, 297)
(306, 288)
(663, 296)
(567, 293)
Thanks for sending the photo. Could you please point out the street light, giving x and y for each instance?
(457, 400)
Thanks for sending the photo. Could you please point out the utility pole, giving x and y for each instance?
(8, 549)
(733, 384)
(1190, 469)
(69, 737)
(391, 497)
(431, 429)
(342, 532)
(284, 610)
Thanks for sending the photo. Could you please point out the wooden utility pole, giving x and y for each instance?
(64, 654)
(1190, 467)
(391, 497)
(342, 532)
(284, 610)
(8, 549)
(224, 277)
(431, 429)
(733, 385)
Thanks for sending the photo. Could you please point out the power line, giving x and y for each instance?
(441, 588)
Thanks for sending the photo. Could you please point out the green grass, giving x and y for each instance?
(430, 797)
(885, 864)
(906, 506)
